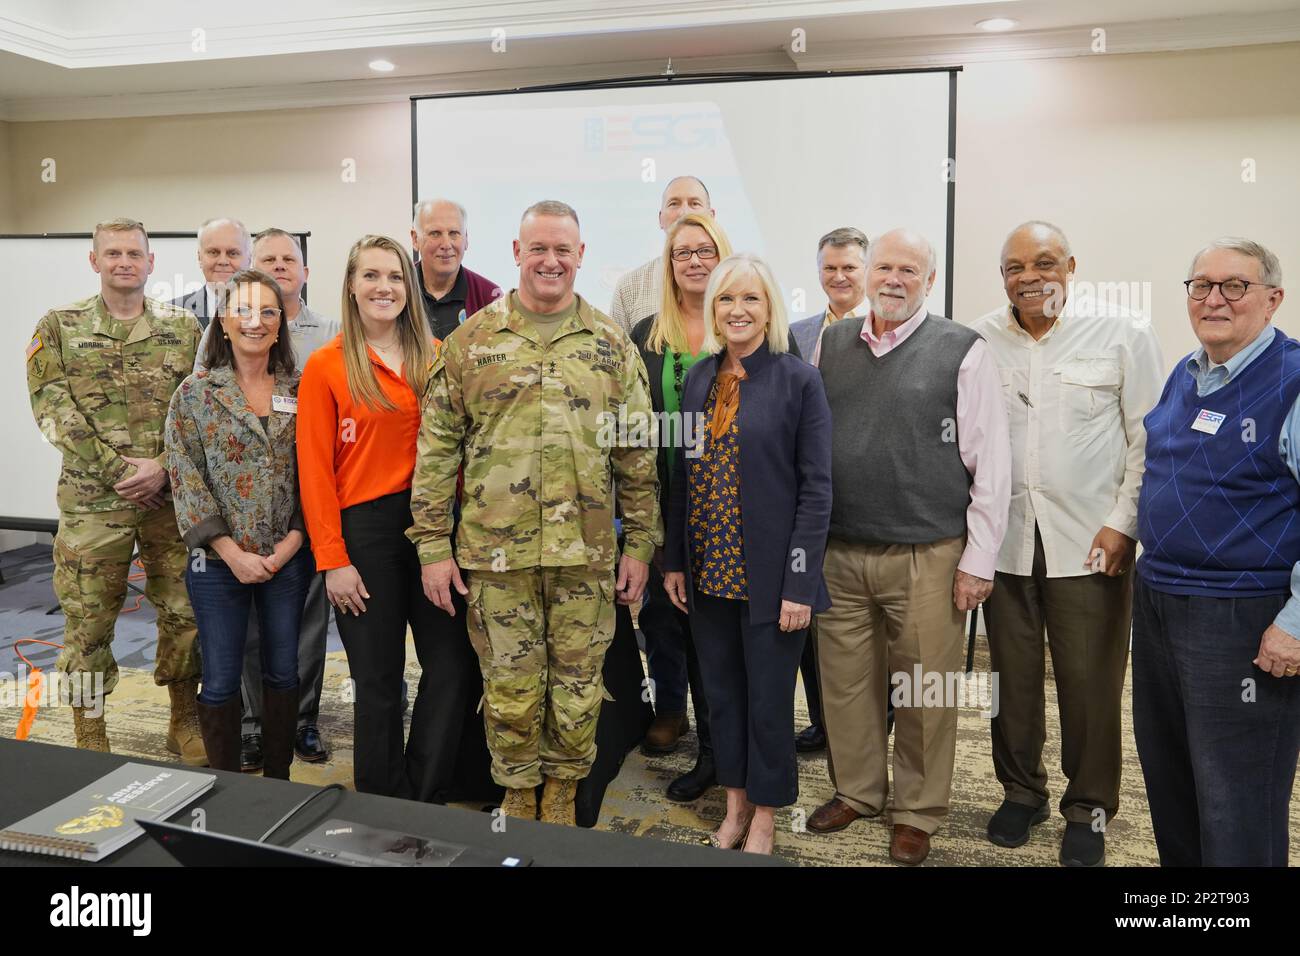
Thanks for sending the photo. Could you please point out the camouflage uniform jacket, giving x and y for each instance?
(229, 476)
(100, 388)
(526, 421)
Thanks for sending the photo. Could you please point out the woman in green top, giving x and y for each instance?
(670, 342)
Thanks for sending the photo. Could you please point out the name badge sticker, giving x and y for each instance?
(1208, 421)
(283, 403)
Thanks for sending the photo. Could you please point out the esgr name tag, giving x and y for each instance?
(283, 403)
(1208, 421)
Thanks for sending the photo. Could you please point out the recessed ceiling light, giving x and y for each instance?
(997, 24)
(382, 66)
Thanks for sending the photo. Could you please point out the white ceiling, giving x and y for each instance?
(85, 58)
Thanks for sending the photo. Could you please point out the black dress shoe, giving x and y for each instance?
(308, 746)
(1009, 827)
(691, 786)
(250, 753)
(810, 739)
(1082, 845)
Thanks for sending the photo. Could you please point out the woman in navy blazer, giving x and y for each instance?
(749, 512)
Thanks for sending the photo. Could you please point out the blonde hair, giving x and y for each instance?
(669, 327)
(119, 225)
(412, 330)
(722, 279)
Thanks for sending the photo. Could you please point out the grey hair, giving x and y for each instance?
(932, 261)
(424, 205)
(243, 230)
(272, 231)
(844, 237)
(1051, 227)
(551, 207)
(698, 180)
(1270, 269)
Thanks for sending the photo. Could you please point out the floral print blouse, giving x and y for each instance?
(229, 475)
(716, 529)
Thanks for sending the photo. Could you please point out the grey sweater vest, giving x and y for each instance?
(896, 472)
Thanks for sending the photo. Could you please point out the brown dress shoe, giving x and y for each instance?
(909, 846)
(832, 816)
(664, 733)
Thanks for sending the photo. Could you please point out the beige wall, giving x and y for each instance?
(1137, 157)
(279, 168)
(7, 220)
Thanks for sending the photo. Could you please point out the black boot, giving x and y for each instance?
(219, 725)
(691, 786)
(279, 726)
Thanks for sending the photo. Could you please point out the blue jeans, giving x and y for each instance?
(221, 606)
(1217, 736)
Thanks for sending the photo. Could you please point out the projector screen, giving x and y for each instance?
(39, 273)
(785, 160)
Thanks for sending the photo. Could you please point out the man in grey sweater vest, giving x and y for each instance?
(920, 470)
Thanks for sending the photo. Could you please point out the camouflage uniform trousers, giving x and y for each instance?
(92, 558)
(541, 636)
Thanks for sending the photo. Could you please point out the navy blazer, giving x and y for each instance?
(805, 332)
(785, 480)
(196, 302)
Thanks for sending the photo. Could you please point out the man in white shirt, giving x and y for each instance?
(1077, 381)
(224, 249)
(637, 293)
(279, 254)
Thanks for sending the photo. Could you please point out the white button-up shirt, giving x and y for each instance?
(1075, 399)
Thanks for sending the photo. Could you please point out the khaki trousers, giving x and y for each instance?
(892, 610)
(1087, 621)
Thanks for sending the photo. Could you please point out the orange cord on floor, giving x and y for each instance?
(35, 681)
(139, 598)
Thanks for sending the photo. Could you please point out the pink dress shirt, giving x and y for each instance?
(983, 441)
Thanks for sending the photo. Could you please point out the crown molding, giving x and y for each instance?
(1151, 36)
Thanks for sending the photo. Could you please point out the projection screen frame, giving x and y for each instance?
(693, 79)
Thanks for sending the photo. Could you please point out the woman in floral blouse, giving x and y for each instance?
(232, 453)
(746, 531)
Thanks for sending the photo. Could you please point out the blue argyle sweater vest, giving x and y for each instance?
(1219, 515)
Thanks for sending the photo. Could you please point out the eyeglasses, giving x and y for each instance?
(268, 314)
(1230, 289)
(684, 255)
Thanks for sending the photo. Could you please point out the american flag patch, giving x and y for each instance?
(35, 346)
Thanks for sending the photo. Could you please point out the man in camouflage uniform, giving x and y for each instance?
(101, 373)
(519, 396)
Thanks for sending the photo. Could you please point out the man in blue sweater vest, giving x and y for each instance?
(1216, 609)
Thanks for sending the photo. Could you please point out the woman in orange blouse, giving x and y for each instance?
(358, 419)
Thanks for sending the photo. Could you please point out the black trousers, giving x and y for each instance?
(662, 623)
(1218, 737)
(812, 688)
(425, 766)
(749, 675)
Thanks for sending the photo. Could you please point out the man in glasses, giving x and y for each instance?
(1078, 374)
(637, 293)
(1216, 607)
(278, 253)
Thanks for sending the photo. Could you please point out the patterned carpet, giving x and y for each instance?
(634, 804)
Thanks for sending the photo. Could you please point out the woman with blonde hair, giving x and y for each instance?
(670, 342)
(358, 419)
(746, 530)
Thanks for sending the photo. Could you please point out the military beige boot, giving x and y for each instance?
(183, 734)
(520, 803)
(92, 733)
(557, 802)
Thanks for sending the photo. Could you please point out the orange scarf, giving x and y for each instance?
(726, 403)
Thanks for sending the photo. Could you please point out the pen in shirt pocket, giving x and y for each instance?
(1025, 398)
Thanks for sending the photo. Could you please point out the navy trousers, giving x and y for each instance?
(1218, 738)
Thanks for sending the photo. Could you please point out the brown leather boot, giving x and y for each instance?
(219, 726)
(558, 802)
(279, 725)
(520, 803)
(664, 733)
(183, 735)
(91, 732)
